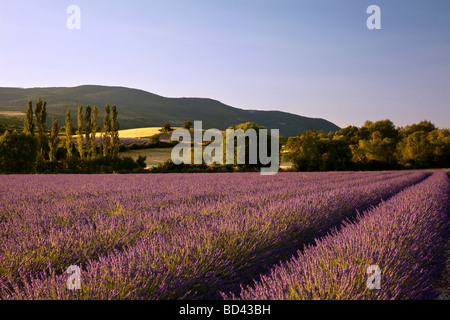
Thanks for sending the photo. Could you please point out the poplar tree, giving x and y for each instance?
(69, 139)
(28, 125)
(80, 132)
(114, 133)
(53, 141)
(94, 132)
(41, 116)
(88, 124)
(106, 137)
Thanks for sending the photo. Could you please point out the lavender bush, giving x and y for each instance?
(168, 236)
(403, 236)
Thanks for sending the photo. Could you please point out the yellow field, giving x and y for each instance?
(140, 132)
(136, 133)
(12, 113)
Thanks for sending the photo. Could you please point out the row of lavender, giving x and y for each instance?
(168, 236)
(403, 237)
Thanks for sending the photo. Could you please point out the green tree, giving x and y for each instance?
(353, 134)
(154, 139)
(106, 134)
(69, 132)
(80, 139)
(53, 141)
(422, 126)
(252, 159)
(18, 152)
(424, 146)
(166, 127)
(377, 145)
(28, 125)
(94, 132)
(140, 162)
(440, 141)
(336, 155)
(414, 151)
(88, 126)
(115, 143)
(41, 118)
(303, 151)
(315, 151)
(188, 124)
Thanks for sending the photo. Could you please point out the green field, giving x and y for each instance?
(154, 156)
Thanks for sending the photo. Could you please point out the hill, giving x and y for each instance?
(138, 108)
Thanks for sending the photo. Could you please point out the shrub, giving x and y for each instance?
(18, 152)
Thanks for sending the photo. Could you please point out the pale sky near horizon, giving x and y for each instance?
(314, 58)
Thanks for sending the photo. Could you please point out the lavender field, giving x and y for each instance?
(224, 235)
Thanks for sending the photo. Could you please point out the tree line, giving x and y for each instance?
(37, 149)
(376, 145)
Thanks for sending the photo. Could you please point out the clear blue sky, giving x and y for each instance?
(314, 58)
